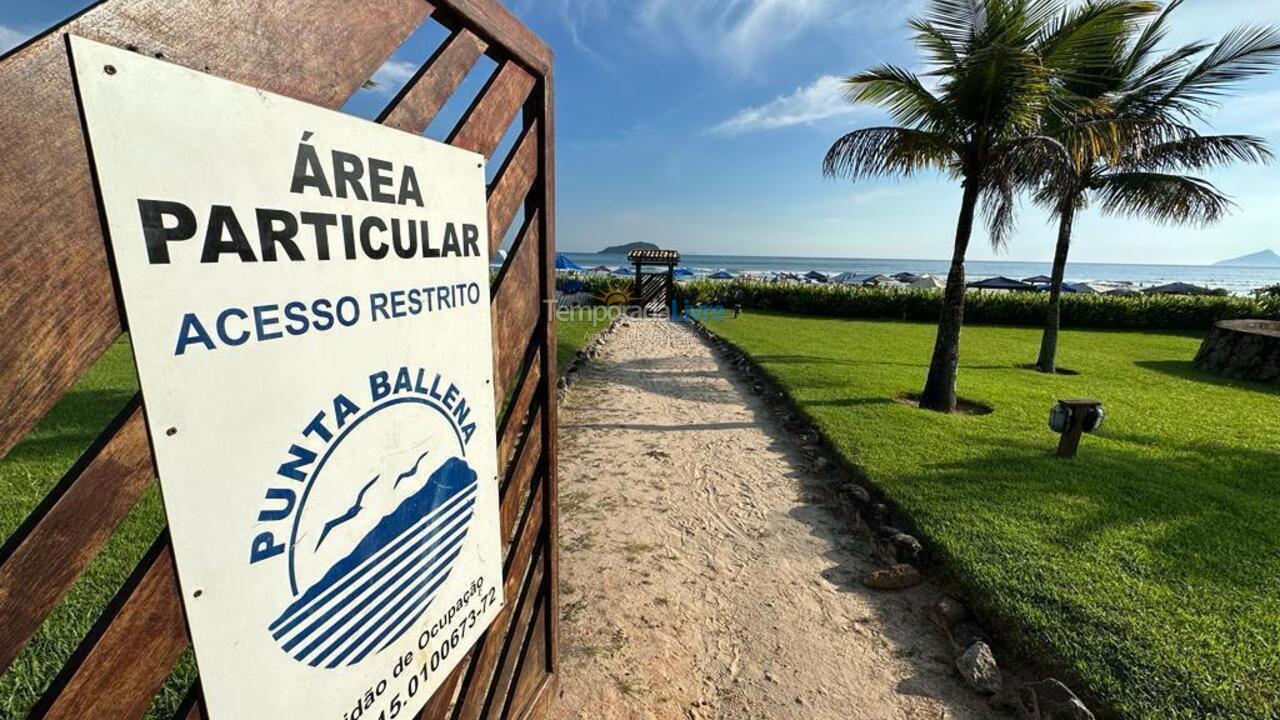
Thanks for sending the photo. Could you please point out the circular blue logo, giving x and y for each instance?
(379, 525)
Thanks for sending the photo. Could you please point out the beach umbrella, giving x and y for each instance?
(877, 280)
(622, 270)
(845, 278)
(1123, 290)
(682, 273)
(721, 275)
(815, 276)
(1000, 282)
(1179, 288)
(564, 263)
(906, 277)
(1089, 288)
(1038, 280)
(601, 269)
(928, 282)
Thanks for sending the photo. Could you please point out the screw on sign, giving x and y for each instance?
(1072, 418)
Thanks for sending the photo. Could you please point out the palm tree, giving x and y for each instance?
(1164, 94)
(997, 64)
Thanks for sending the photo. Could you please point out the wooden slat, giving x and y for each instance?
(520, 478)
(438, 706)
(516, 419)
(44, 557)
(513, 648)
(129, 653)
(547, 201)
(488, 118)
(516, 564)
(491, 647)
(515, 309)
(58, 309)
(511, 186)
(532, 668)
(420, 100)
(540, 707)
(486, 651)
(493, 22)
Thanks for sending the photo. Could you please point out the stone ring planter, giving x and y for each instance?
(1243, 350)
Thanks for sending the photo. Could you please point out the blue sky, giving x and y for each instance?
(701, 124)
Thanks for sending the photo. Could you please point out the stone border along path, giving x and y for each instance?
(703, 573)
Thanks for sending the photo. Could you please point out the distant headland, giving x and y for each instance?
(628, 247)
(1262, 258)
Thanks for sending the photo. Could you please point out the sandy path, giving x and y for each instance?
(701, 576)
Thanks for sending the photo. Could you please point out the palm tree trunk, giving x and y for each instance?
(940, 386)
(1049, 341)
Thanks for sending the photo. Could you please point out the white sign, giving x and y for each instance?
(307, 296)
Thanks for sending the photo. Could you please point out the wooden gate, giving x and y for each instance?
(652, 292)
(58, 314)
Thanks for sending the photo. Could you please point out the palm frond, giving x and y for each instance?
(900, 93)
(999, 209)
(1109, 136)
(1243, 53)
(1201, 152)
(1161, 198)
(1043, 164)
(938, 46)
(1148, 82)
(1149, 39)
(1083, 39)
(956, 21)
(1032, 161)
(881, 151)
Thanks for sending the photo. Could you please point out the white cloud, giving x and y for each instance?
(821, 99)
(577, 14)
(11, 38)
(393, 73)
(737, 34)
(734, 35)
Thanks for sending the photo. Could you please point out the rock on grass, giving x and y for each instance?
(1051, 700)
(978, 668)
(894, 577)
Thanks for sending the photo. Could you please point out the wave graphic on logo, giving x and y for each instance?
(366, 600)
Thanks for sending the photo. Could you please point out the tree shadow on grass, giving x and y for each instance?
(767, 360)
(1128, 560)
(850, 402)
(1185, 370)
(819, 360)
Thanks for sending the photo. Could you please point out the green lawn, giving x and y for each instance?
(27, 474)
(1148, 567)
(573, 334)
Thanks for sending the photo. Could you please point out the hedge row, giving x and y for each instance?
(1146, 312)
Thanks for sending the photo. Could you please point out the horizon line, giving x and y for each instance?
(942, 260)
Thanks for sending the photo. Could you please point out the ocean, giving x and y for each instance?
(1238, 280)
